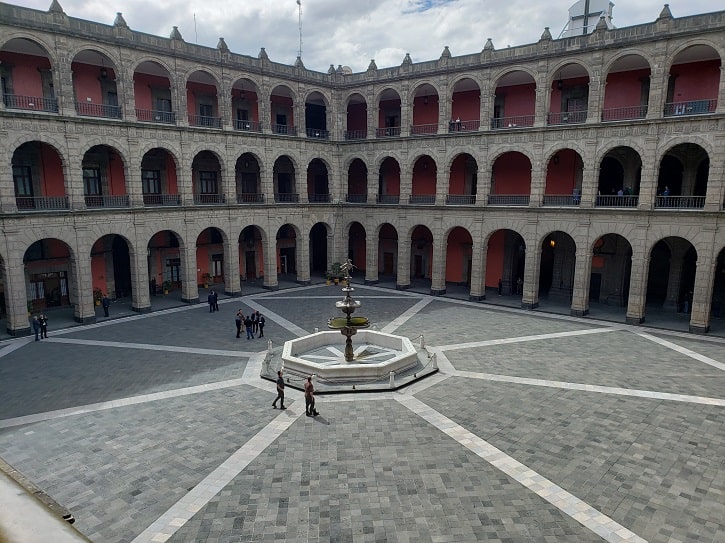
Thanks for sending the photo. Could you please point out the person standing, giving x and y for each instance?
(210, 301)
(248, 326)
(310, 410)
(280, 392)
(255, 321)
(106, 303)
(238, 319)
(36, 327)
(260, 324)
(43, 320)
(216, 300)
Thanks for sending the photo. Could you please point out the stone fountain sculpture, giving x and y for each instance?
(348, 325)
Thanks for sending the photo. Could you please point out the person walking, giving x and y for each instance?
(106, 303)
(260, 324)
(43, 320)
(310, 410)
(248, 326)
(238, 320)
(255, 321)
(36, 327)
(210, 301)
(280, 392)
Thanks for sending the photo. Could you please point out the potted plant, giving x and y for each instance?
(97, 296)
(166, 285)
(335, 272)
(206, 277)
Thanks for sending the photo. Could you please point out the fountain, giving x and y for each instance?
(379, 361)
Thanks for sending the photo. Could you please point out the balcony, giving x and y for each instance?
(692, 107)
(356, 198)
(561, 200)
(460, 199)
(250, 198)
(390, 132)
(32, 103)
(112, 201)
(318, 134)
(387, 199)
(624, 113)
(41, 203)
(161, 200)
(284, 129)
(89, 109)
(423, 129)
(464, 126)
(318, 198)
(679, 202)
(422, 199)
(617, 201)
(247, 126)
(516, 121)
(566, 117)
(209, 199)
(286, 197)
(508, 199)
(155, 116)
(355, 135)
(204, 121)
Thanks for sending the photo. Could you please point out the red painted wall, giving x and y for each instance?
(624, 88)
(52, 180)
(173, 187)
(251, 99)
(357, 178)
(513, 174)
(459, 245)
(555, 103)
(142, 84)
(388, 106)
(425, 113)
(494, 259)
(466, 105)
(561, 178)
(25, 75)
(86, 83)
(391, 172)
(424, 180)
(457, 179)
(277, 102)
(98, 269)
(357, 117)
(194, 89)
(116, 176)
(696, 81)
(518, 99)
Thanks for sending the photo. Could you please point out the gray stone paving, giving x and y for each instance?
(370, 469)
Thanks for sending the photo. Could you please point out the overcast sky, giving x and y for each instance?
(351, 32)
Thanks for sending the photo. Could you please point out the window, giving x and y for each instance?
(151, 181)
(206, 110)
(208, 183)
(92, 181)
(23, 181)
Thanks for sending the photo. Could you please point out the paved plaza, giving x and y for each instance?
(537, 428)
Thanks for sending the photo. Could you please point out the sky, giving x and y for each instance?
(352, 32)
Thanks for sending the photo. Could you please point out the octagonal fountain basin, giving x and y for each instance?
(376, 354)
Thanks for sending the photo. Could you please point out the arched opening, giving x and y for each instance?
(206, 172)
(425, 174)
(159, 181)
(564, 174)
(318, 190)
(316, 116)
(671, 277)
(286, 252)
(610, 274)
(251, 254)
(152, 94)
(510, 179)
(245, 106)
(94, 85)
(682, 178)
(620, 173)
(626, 93)
(459, 257)
(49, 275)
(357, 182)
(27, 77)
(514, 101)
(389, 116)
(202, 103)
(569, 100)
(318, 249)
(164, 264)
(356, 245)
(389, 182)
(38, 177)
(248, 180)
(104, 178)
(285, 184)
(506, 263)
(421, 256)
(557, 268)
(357, 118)
(111, 268)
(425, 110)
(463, 181)
(466, 106)
(388, 252)
(210, 259)
(694, 82)
(281, 111)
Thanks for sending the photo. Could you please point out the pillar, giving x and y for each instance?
(438, 274)
(582, 277)
(702, 294)
(270, 262)
(530, 298)
(302, 260)
(673, 280)
(140, 300)
(79, 290)
(406, 183)
(478, 271)
(403, 279)
(590, 186)
(16, 297)
(189, 287)
(637, 286)
(372, 250)
(232, 284)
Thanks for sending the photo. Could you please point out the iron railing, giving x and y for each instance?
(389, 132)
(562, 200)
(566, 117)
(247, 126)
(464, 126)
(116, 200)
(284, 129)
(691, 107)
(250, 198)
(155, 116)
(355, 134)
(89, 109)
(624, 113)
(423, 129)
(617, 201)
(205, 121)
(286, 197)
(387, 199)
(426, 199)
(33, 103)
(680, 202)
(161, 200)
(356, 198)
(460, 199)
(508, 199)
(515, 121)
(209, 199)
(41, 203)
(319, 198)
(318, 133)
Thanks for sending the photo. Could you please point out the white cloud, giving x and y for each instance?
(352, 33)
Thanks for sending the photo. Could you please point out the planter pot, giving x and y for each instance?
(98, 302)
(166, 291)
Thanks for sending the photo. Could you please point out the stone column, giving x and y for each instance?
(232, 283)
(189, 287)
(372, 254)
(658, 82)
(406, 117)
(266, 182)
(673, 279)
(478, 270)
(441, 185)
(7, 188)
(438, 274)
(637, 285)
(530, 298)
(594, 101)
(16, 296)
(406, 183)
(582, 277)
(228, 176)
(541, 107)
(373, 114)
(648, 179)
(721, 92)
(538, 180)
(403, 279)
(184, 179)
(715, 187)
(590, 186)
(702, 294)
(270, 263)
(132, 172)
(302, 260)
(79, 289)
(372, 187)
(140, 300)
(73, 172)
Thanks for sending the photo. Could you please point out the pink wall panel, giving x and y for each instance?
(52, 172)
(624, 89)
(357, 117)
(494, 259)
(519, 100)
(466, 105)
(425, 113)
(86, 83)
(25, 74)
(696, 81)
(513, 174)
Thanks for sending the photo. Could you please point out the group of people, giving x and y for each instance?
(253, 323)
(40, 326)
(213, 301)
(310, 409)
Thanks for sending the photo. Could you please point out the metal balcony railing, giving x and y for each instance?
(161, 200)
(205, 121)
(562, 200)
(624, 113)
(516, 121)
(355, 134)
(508, 199)
(284, 129)
(247, 126)
(286, 197)
(250, 198)
(116, 200)
(320, 198)
(679, 202)
(691, 107)
(318, 133)
(460, 199)
(423, 129)
(566, 117)
(33, 103)
(617, 201)
(89, 109)
(209, 199)
(387, 199)
(425, 199)
(390, 132)
(464, 126)
(155, 116)
(356, 198)
(41, 203)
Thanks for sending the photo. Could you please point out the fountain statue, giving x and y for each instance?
(348, 325)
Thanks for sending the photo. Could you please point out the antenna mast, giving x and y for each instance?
(299, 24)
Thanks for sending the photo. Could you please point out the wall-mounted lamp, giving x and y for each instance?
(425, 164)
(559, 84)
(246, 164)
(556, 159)
(104, 73)
(552, 243)
(425, 100)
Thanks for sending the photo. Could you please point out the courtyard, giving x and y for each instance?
(538, 427)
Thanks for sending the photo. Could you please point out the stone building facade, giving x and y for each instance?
(588, 169)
